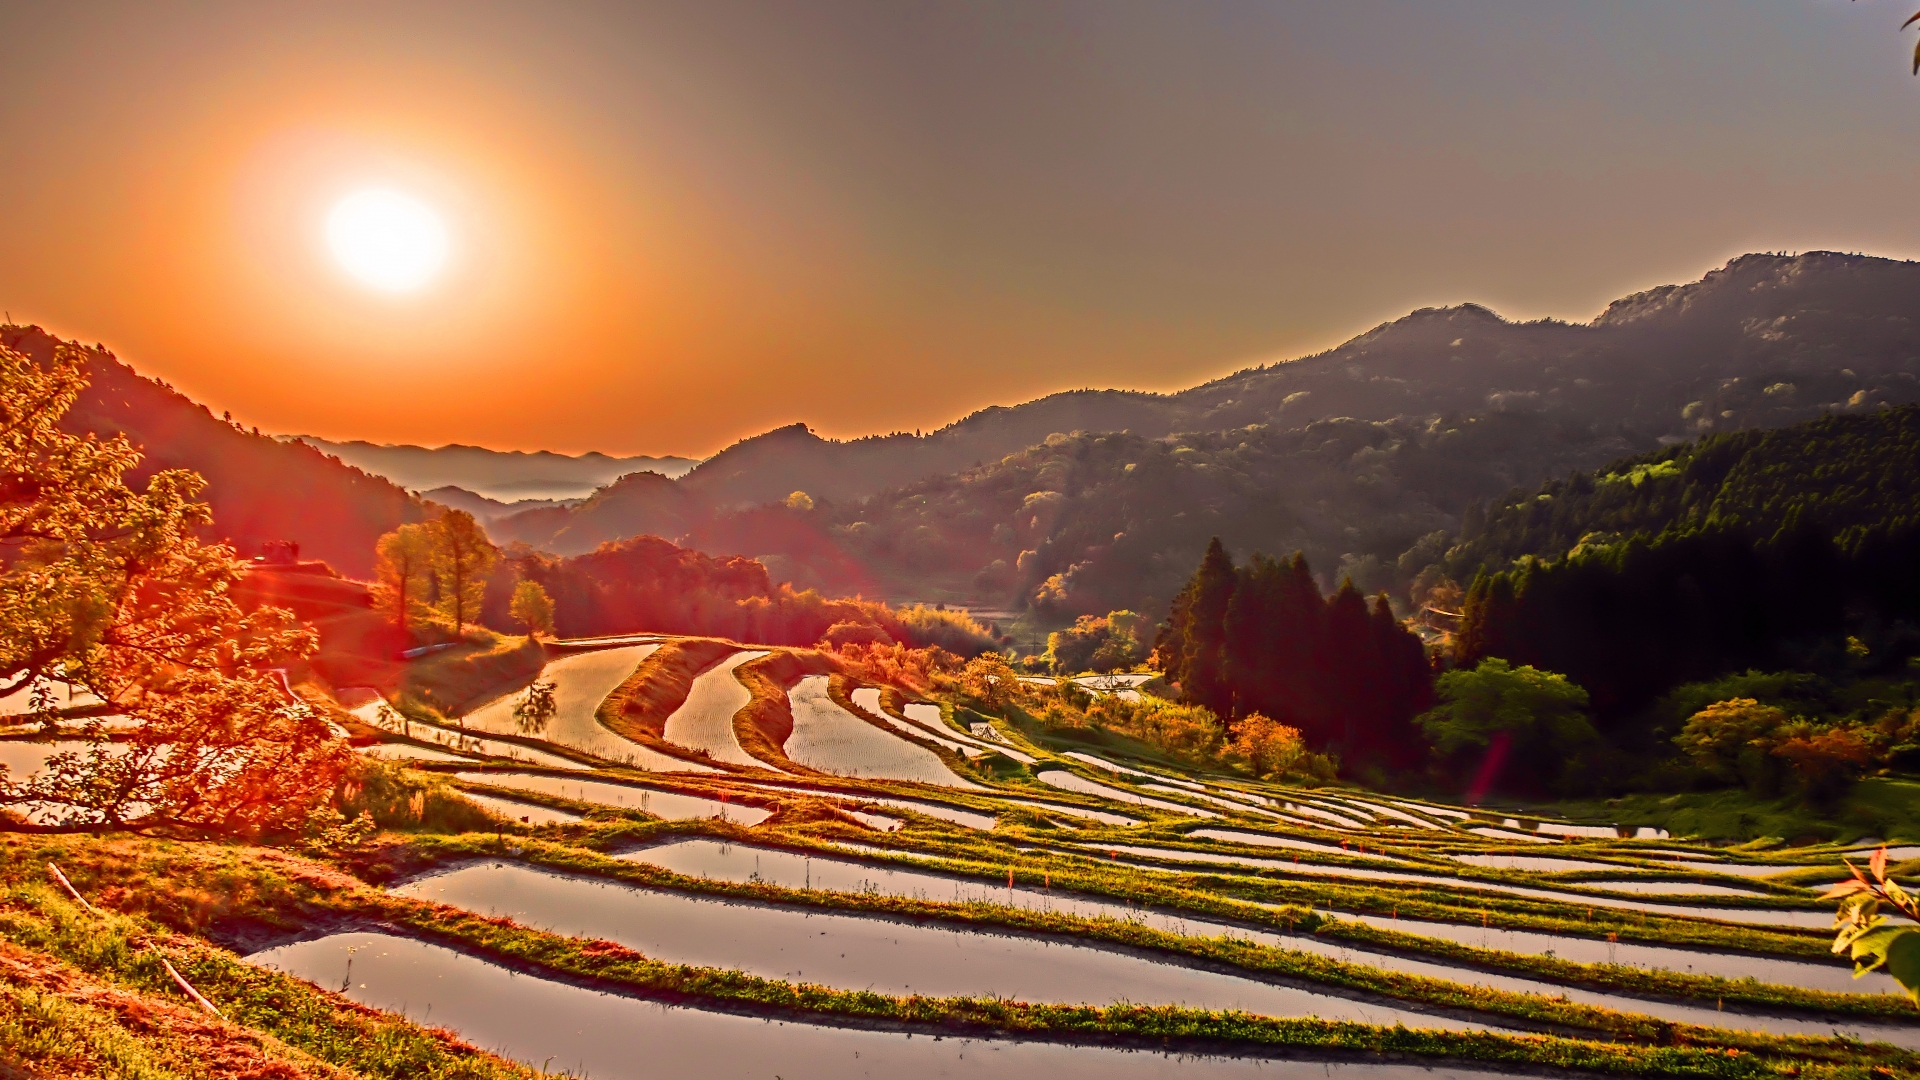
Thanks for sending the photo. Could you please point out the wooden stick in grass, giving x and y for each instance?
(178, 979)
(71, 891)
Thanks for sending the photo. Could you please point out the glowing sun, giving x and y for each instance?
(387, 240)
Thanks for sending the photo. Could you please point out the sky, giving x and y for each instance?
(670, 226)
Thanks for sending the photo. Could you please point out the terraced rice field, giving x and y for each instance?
(581, 682)
(831, 739)
(1001, 865)
(704, 722)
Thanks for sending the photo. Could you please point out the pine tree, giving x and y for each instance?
(1349, 668)
(1203, 635)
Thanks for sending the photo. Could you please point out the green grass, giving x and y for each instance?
(1882, 807)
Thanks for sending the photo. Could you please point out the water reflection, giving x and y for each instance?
(561, 1027)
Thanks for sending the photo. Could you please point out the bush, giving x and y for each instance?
(1497, 713)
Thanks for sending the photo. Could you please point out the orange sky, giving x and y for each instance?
(674, 226)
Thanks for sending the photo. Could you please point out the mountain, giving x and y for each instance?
(486, 510)
(260, 489)
(502, 475)
(1090, 499)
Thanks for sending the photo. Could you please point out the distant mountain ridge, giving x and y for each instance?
(1354, 454)
(502, 475)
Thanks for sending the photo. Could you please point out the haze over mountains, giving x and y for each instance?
(1365, 456)
(502, 475)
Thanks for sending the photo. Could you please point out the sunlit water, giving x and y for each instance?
(666, 804)
(562, 1027)
(739, 862)
(865, 953)
(705, 720)
(581, 682)
(1067, 781)
(831, 739)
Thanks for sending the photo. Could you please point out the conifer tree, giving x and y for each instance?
(1200, 630)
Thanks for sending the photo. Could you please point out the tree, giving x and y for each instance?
(1497, 713)
(403, 572)
(462, 558)
(532, 607)
(109, 589)
(800, 501)
(1197, 630)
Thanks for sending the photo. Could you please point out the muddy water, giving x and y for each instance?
(581, 682)
(705, 720)
(1067, 781)
(1835, 978)
(831, 739)
(665, 804)
(515, 810)
(1537, 863)
(558, 1026)
(862, 953)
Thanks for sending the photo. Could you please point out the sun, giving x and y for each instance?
(387, 240)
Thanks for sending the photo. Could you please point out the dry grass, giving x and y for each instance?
(454, 682)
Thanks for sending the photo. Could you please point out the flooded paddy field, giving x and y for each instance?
(867, 953)
(556, 1025)
(666, 804)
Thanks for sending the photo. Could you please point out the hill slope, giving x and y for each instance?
(1353, 455)
(260, 488)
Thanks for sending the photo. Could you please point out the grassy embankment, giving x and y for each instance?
(190, 888)
(1880, 807)
(763, 724)
(83, 994)
(447, 684)
(993, 860)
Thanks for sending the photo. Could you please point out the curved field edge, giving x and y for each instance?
(638, 708)
(36, 917)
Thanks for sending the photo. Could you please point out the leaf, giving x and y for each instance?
(1869, 950)
(1898, 896)
(1878, 864)
(1845, 888)
(1903, 961)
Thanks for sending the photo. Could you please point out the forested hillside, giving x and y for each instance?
(1795, 549)
(1849, 475)
(260, 489)
(1088, 501)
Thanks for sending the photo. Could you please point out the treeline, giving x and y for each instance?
(1631, 620)
(445, 574)
(1261, 639)
(1758, 549)
(1850, 475)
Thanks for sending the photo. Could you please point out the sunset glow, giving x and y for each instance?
(387, 240)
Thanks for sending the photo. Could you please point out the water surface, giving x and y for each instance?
(558, 1026)
(866, 953)
(665, 804)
